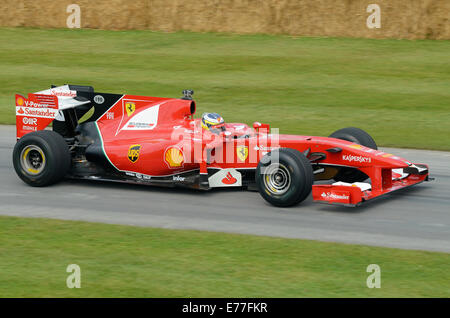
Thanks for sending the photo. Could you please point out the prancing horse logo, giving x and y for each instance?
(242, 152)
(130, 107)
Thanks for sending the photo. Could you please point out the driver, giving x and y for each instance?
(213, 122)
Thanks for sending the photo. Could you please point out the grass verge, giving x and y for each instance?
(397, 90)
(126, 261)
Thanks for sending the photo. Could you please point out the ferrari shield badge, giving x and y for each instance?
(130, 107)
(242, 152)
(133, 153)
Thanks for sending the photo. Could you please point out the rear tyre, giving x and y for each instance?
(285, 182)
(358, 136)
(41, 158)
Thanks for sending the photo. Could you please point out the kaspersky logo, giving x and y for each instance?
(352, 158)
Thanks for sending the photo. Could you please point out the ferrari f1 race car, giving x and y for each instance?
(157, 141)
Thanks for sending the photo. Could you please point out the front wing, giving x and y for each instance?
(384, 181)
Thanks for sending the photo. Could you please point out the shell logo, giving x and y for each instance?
(19, 101)
(174, 157)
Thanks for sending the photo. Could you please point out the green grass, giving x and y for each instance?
(398, 90)
(125, 261)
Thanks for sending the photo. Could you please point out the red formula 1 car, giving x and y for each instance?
(156, 141)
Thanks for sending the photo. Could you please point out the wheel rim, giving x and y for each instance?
(277, 179)
(32, 160)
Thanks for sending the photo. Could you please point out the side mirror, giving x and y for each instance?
(257, 126)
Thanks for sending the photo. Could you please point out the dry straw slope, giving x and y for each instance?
(410, 19)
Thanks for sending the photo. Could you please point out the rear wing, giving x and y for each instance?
(40, 109)
(35, 112)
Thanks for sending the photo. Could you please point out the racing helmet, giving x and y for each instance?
(213, 122)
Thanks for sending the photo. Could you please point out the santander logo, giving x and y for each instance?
(333, 196)
(229, 179)
(64, 93)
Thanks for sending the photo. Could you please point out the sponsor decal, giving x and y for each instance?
(29, 128)
(263, 148)
(355, 146)
(63, 93)
(20, 101)
(134, 152)
(138, 175)
(334, 196)
(242, 152)
(130, 108)
(387, 155)
(352, 158)
(178, 178)
(225, 178)
(33, 112)
(109, 115)
(144, 120)
(30, 103)
(229, 179)
(138, 125)
(174, 157)
(360, 147)
(99, 99)
(29, 121)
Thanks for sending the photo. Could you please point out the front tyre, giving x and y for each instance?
(41, 158)
(286, 181)
(358, 136)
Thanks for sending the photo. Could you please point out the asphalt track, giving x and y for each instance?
(414, 218)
